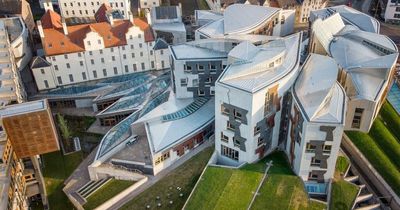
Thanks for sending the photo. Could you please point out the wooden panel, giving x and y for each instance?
(31, 133)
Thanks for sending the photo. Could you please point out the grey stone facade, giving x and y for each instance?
(206, 73)
(236, 121)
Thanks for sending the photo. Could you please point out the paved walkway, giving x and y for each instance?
(154, 179)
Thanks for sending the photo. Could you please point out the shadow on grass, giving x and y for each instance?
(280, 164)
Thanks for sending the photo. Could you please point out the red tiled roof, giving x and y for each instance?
(55, 42)
(51, 20)
(100, 15)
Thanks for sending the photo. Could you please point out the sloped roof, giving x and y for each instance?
(56, 42)
(100, 15)
(256, 73)
(39, 62)
(319, 95)
(325, 29)
(239, 18)
(51, 20)
(160, 44)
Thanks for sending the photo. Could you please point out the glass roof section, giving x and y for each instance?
(394, 97)
(188, 110)
(73, 90)
(125, 77)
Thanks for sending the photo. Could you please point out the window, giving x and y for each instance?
(123, 47)
(68, 66)
(50, 45)
(357, 118)
(133, 55)
(126, 68)
(230, 153)
(140, 45)
(208, 80)
(212, 92)
(143, 66)
(312, 176)
(94, 74)
(260, 141)
(88, 43)
(236, 142)
(115, 70)
(271, 65)
(71, 78)
(267, 104)
(104, 72)
(224, 110)
(200, 92)
(257, 130)
(99, 41)
(56, 67)
(162, 64)
(83, 75)
(310, 148)
(140, 36)
(90, 53)
(315, 162)
(152, 64)
(151, 52)
(46, 84)
(134, 67)
(79, 54)
(187, 68)
(397, 9)
(79, 4)
(102, 60)
(237, 115)
(162, 158)
(81, 63)
(213, 67)
(113, 58)
(224, 138)
(101, 51)
(112, 49)
(229, 126)
(161, 52)
(42, 71)
(184, 82)
(66, 56)
(59, 80)
(92, 61)
(124, 56)
(200, 67)
(141, 54)
(327, 148)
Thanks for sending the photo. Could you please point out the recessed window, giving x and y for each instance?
(81, 63)
(42, 71)
(143, 66)
(126, 68)
(200, 67)
(152, 64)
(56, 67)
(357, 118)
(260, 141)
(310, 148)
(257, 130)
(46, 84)
(71, 78)
(229, 152)
(184, 82)
(104, 72)
(66, 56)
(115, 70)
(237, 114)
(113, 58)
(212, 92)
(224, 138)
(327, 148)
(92, 61)
(94, 74)
(315, 162)
(200, 92)
(90, 53)
(59, 80)
(68, 66)
(134, 67)
(84, 76)
(229, 126)
(224, 110)
(236, 142)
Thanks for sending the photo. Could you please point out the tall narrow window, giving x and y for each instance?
(357, 118)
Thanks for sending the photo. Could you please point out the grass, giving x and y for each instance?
(343, 195)
(185, 177)
(56, 169)
(224, 188)
(106, 192)
(386, 141)
(342, 164)
(282, 189)
(377, 157)
(392, 119)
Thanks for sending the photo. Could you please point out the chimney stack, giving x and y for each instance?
(40, 28)
(64, 25)
(48, 5)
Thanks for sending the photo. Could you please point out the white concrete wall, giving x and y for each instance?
(390, 12)
(40, 77)
(88, 8)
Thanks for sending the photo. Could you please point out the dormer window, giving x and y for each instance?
(62, 43)
(50, 45)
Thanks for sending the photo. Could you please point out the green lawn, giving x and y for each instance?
(106, 192)
(392, 119)
(386, 141)
(377, 157)
(341, 165)
(223, 188)
(56, 169)
(185, 177)
(283, 186)
(343, 195)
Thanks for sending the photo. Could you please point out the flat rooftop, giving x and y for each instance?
(23, 108)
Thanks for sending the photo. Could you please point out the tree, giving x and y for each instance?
(62, 123)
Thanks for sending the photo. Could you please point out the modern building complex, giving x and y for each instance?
(166, 22)
(21, 176)
(244, 19)
(15, 53)
(107, 48)
(391, 11)
(367, 63)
